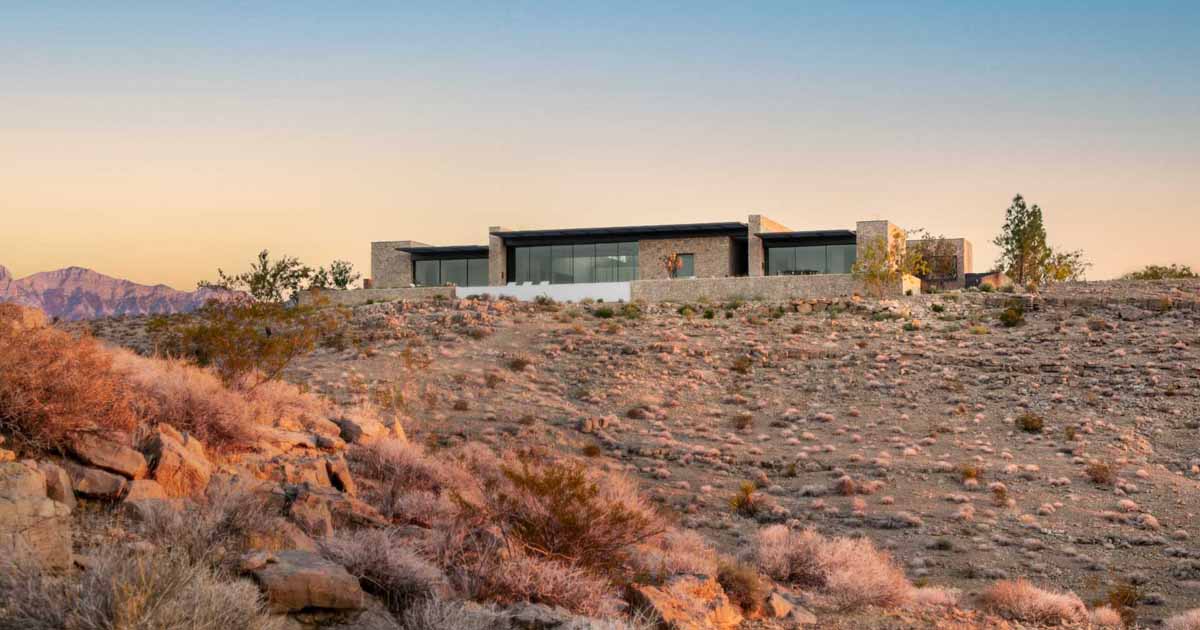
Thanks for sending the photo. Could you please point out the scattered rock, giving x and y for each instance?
(688, 603)
(300, 580)
(107, 454)
(94, 483)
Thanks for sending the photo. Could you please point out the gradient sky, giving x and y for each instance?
(159, 140)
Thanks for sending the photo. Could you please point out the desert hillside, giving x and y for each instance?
(964, 460)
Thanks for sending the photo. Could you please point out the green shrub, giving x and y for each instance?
(686, 310)
(987, 287)
(742, 365)
(937, 308)
(743, 584)
(745, 501)
(631, 311)
(1012, 316)
(603, 312)
(709, 313)
(246, 342)
(1030, 422)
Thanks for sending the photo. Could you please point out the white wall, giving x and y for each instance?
(607, 291)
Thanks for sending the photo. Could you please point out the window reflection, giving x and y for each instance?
(569, 264)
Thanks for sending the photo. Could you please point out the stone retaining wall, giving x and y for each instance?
(355, 297)
(759, 288)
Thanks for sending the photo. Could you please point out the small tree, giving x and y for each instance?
(342, 274)
(1022, 243)
(267, 280)
(672, 263)
(1162, 272)
(880, 264)
(1063, 267)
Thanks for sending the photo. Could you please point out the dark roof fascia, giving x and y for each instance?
(817, 237)
(624, 233)
(449, 251)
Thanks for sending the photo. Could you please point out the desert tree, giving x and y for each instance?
(881, 263)
(672, 263)
(267, 280)
(342, 274)
(1024, 254)
(1022, 242)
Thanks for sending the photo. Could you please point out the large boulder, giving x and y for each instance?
(688, 603)
(108, 454)
(362, 429)
(302, 580)
(30, 522)
(179, 463)
(94, 483)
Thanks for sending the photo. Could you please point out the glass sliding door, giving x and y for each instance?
(426, 273)
(840, 258)
(477, 272)
(584, 262)
(561, 264)
(539, 264)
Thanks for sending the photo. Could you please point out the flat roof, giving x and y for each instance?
(726, 228)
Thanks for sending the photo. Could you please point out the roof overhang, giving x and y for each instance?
(634, 232)
(448, 251)
(812, 237)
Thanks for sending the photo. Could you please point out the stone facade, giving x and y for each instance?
(497, 257)
(391, 268)
(757, 257)
(760, 288)
(712, 256)
(868, 232)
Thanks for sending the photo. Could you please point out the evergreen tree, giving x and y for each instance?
(1023, 249)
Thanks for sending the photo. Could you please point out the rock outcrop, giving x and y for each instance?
(302, 580)
(31, 522)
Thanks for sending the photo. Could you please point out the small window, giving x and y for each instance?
(687, 266)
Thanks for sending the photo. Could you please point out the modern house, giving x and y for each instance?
(579, 262)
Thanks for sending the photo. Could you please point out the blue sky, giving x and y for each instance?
(313, 128)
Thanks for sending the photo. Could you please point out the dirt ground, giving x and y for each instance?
(1065, 449)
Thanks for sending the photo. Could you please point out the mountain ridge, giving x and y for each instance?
(75, 293)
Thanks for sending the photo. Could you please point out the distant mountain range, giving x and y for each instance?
(78, 293)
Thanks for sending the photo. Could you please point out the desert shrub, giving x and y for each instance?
(978, 329)
(195, 400)
(519, 363)
(1189, 620)
(936, 597)
(1121, 599)
(437, 614)
(1105, 617)
(743, 584)
(1012, 316)
(484, 567)
(850, 572)
(245, 342)
(213, 529)
(386, 566)
(675, 552)
(970, 471)
(746, 501)
(591, 450)
(937, 308)
(53, 384)
(546, 303)
(742, 365)
(631, 311)
(1030, 422)
(1161, 272)
(131, 591)
(743, 421)
(1022, 601)
(603, 312)
(559, 510)
(686, 310)
(404, 470)
(1101, 473)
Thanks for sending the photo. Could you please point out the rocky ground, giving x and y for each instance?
(1065, 448)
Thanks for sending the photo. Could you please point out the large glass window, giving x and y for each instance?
(461, 272)
(426, 273)
(810, 259)
(585, 262)
(477, 272)
(687, 266)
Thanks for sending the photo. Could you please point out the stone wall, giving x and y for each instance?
(868, 232)
(355, 297)
(712, 256)
(391, 268)
(755, 253)
(497, 258)
(760, 288)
